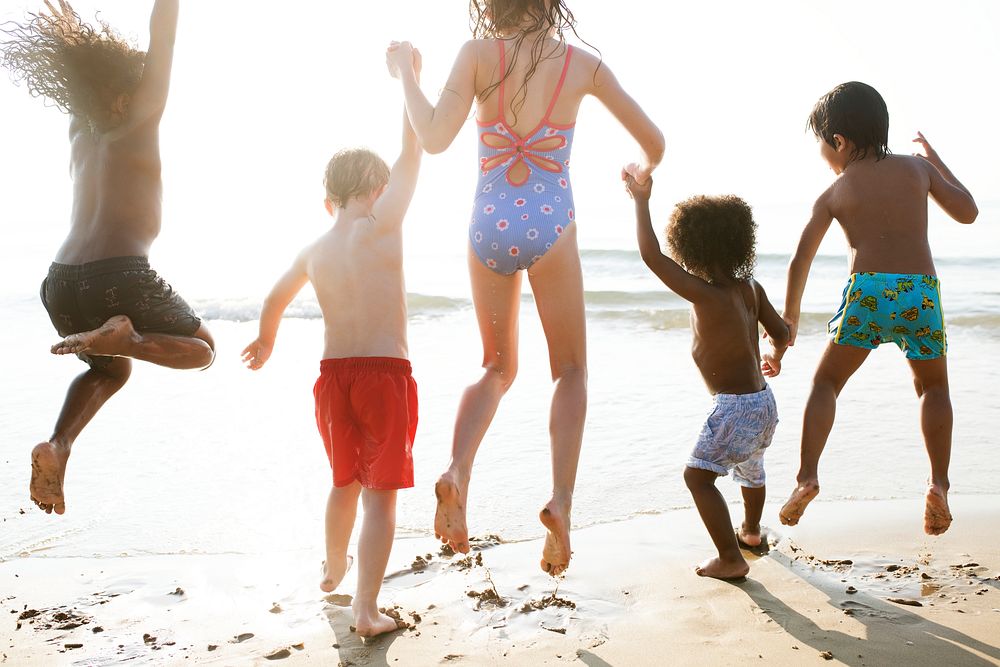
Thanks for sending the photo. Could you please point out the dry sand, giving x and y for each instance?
(857, 583)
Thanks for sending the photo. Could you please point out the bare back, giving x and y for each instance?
(357, 272)
(882, 208)
(117, 193)
(725, 345)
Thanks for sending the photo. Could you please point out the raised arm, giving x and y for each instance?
(628, 112)
(437, 125)
(667, 270)
(150, 98)
(391, 207)
(798, 269)
(256, 354)
(945, 189)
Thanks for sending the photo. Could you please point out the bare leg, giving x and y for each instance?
(341, 510)
(85, 396)
(557, 283)
(377, 531)
(497, 299)
(838, 364)
(712, 507)
(753, 508)
(117, 338)
(930, 379)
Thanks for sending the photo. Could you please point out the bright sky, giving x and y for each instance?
(262, 97)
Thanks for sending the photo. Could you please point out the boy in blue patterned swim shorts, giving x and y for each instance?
(893, 293)
(713, 239)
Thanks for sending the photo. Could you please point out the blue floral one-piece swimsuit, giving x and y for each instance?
(524, 200)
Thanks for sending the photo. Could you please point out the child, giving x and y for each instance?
(366, 399)
(527, 85)
(100, 292)
(713, 239)
(893, 294)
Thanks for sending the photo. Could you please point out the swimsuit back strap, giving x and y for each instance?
(562, 79)
(503, 75)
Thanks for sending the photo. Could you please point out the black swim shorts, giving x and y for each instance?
(82, 297)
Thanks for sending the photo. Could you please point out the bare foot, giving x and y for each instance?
(556, 552)
(937, 516)
(332, 576)
(796, 505)
(449, 520)
(373, 625)
(745, 536)
(48, 468)
(725, 570)
(107, 339)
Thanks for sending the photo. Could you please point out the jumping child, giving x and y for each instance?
(893, 294)
(100, 292)
(713, 241)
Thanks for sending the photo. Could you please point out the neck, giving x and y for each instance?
(354, 210)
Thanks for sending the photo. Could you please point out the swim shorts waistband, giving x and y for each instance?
(892, 278)
(385, 364)
(99, 268)
(752, 398)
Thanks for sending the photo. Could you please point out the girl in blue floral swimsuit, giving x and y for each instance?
(527, 84)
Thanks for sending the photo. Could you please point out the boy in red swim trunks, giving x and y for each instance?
(366, 399)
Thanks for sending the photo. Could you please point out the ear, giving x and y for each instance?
(381, 191)
(839, 143)
(330, 208)
(120, 105)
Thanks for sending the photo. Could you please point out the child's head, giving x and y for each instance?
(495, 18)
(852, 117)
(354, 173)
(90, 72)
(714, 238)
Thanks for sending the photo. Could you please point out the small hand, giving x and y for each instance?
(770, 364)
(635, 189)
(929, 153)
(398, 56)
(65, 13)
(256, 354)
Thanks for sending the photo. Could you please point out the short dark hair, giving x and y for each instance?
(857, 112)
(714, 237)
(354, 172)
(80, 68)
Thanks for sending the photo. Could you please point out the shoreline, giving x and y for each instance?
(847, 581)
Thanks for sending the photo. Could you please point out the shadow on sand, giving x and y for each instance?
(893, 635)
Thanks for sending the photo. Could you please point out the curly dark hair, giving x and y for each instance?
(490, 19)
(352, 173)
(857, 112)
(714, 238)
(79, 68)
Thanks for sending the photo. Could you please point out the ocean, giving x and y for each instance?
(229, 461)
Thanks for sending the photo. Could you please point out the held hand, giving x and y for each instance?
(770, 364)
(256, 354)
(399, 55)
(929, 153)
(636, 190)
(793, 328)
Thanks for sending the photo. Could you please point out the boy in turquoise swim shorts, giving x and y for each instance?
(893, 293)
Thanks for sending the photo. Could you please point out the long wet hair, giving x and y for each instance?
(491, 19)
(79, 68)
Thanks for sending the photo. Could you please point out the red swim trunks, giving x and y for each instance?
(366, 411)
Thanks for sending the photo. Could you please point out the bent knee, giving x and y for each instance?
(501, 373)
(570, 371)
(696, 478)
(117, 372)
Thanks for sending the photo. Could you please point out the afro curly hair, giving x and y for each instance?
(714, 238)
(79, 68)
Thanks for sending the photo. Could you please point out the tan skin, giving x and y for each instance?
(882, 207)
(725, 314)
(116, 213)
(556, 279)
(356, 269)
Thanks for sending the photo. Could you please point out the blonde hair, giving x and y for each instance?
(352, 173)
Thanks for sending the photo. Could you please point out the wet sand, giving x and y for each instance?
(856, 583)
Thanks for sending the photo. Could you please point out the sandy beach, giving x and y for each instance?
(857, 583)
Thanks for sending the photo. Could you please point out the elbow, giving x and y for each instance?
(434, 148)
(656, 147)
(649, 255)
(970, 215)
